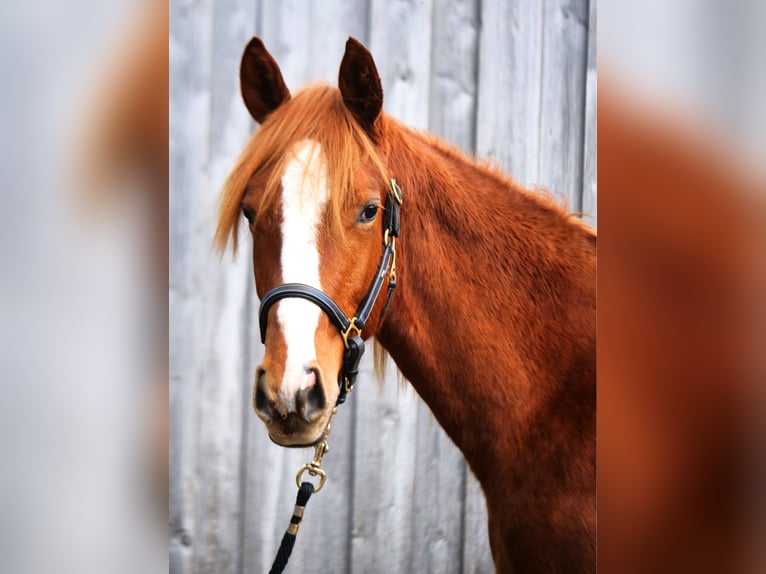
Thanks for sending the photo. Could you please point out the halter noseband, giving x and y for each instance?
(354, 344)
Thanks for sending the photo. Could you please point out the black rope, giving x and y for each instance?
(288, 540)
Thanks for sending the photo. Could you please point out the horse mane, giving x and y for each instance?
(543, 196)
(316, 113)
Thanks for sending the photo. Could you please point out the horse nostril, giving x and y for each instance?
(261, 401)
(311, 400)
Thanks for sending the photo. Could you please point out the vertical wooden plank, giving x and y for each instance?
(531, 92)
(477, 556)
(440, 473)
(207, 301)
(328, 41)
(562, 98)
(384, 460)
(308, 41)
(437, 504)
(382, 535)
(454, 60)
(188, 97)
(589, 180)
(223, 403)
(400, 41)
(508, 111)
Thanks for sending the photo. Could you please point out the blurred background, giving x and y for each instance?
(84, 251)
(83, 304)
(513, 81)
(682, 282)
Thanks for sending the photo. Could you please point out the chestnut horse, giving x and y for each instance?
(493, 320)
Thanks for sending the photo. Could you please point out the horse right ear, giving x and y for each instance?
(263, 88)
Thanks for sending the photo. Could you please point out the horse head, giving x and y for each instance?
(314, 192)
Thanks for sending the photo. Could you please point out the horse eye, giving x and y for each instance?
(249, 215)
(368, 214)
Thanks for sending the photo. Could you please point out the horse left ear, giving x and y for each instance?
(359, 85)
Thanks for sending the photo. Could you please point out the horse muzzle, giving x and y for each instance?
(296, 414)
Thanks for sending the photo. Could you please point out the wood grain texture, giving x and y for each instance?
(589, 180)
(562, 98)
(514, 81)
(509, 84)
(189, 86)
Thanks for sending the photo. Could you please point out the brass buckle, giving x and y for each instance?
(351, 327)
(347, 386)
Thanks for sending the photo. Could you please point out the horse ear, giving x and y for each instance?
(359, 85)
(263, 88)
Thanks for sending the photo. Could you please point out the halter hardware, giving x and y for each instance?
(314, 467)
(351, 327)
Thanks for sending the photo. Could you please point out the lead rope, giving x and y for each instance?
(305, 490)
(288, 540)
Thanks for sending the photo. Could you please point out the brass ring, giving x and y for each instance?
(313, 471)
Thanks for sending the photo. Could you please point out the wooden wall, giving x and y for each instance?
(512, 80)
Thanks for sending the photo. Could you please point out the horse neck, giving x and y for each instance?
(493, 321)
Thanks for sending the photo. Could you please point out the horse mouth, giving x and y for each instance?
(292, 445)
(292, 432)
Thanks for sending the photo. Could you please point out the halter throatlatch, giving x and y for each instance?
(350, 329)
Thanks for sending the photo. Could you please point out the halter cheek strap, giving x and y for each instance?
(353, 343)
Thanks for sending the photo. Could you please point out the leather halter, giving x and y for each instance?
(354, 345)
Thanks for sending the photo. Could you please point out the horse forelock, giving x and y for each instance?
(317, 114)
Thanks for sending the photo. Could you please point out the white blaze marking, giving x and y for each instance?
(305, 192)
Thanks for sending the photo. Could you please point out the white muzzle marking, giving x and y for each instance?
(305, 192)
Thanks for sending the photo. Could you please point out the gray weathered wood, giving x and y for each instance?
(514, 81)
(206, 371)
(562, 98)
(589, 184)
(400, 39)
(187, 91)
(477, 558)
(510, 60)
